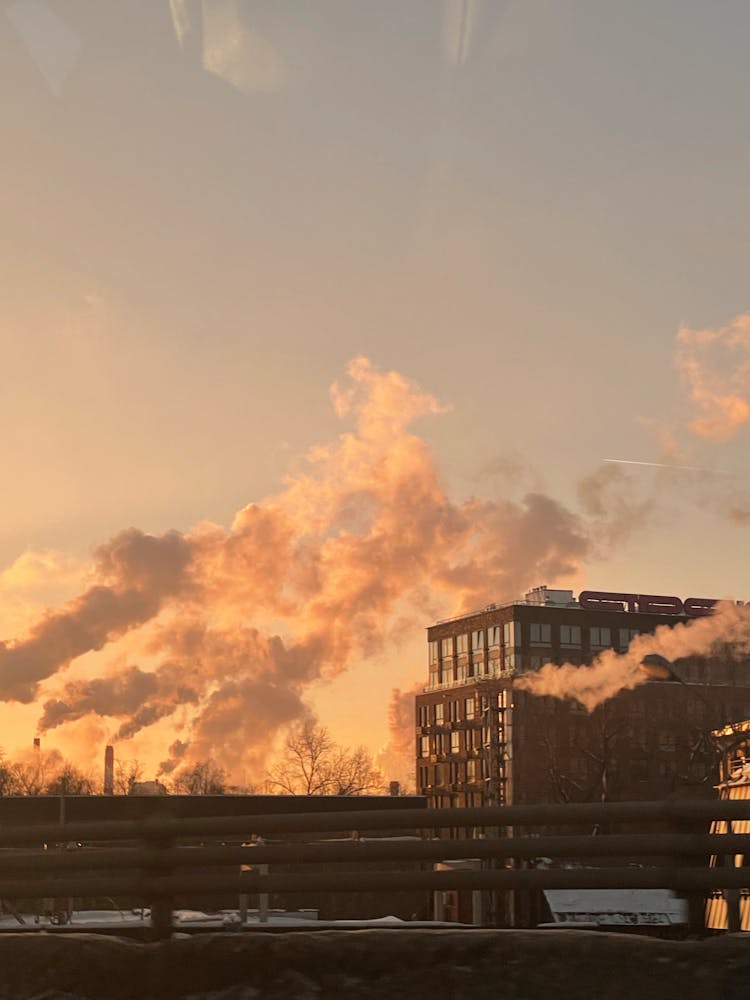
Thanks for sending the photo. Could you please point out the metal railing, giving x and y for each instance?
(152, 864)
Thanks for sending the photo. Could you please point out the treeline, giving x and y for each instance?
(47, 772)
(309, 762)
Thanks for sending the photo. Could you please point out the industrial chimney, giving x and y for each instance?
(109, 770)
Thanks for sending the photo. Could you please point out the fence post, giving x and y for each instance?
(161, 904)
(695, 899)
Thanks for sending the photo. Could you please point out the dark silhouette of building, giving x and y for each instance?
(482, 741)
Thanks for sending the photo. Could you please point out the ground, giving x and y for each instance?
(374, 964)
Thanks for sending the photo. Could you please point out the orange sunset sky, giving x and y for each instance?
(320, 322)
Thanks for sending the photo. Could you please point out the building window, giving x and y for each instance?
(626, 637)
(424, 746)
(667, 740)
(639, 769)
(570, 635)
(600, 637)
(477, 641)
(471, 770)
(446, 647)
(462, 643)
(446, 671)
(536, 662)
(493, 636)
(469, 708)
(423, 715)
(510, 661)
(455, 741)
(432, 648)
(439, 717)
(509, 635)
(541, 635)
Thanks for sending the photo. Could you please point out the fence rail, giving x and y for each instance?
(150, 863)
(568, 814)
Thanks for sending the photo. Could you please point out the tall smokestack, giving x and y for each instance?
(37, 743)
(109, 771)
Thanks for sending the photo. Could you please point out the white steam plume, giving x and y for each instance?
(216, 635)
(613, 672)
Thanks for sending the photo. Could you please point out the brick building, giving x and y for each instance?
(479, 741)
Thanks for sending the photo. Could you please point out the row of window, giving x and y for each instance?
(477, 641)
(459, 709)
(457, 741)
(599, 637)
(452, 671)
(454, 772)
(448, 711)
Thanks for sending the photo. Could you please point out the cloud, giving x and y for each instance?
(508, 469)
(715, 367)
(35, 571)
(740, 514)
(608, 495)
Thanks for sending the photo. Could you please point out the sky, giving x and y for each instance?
(512, 234)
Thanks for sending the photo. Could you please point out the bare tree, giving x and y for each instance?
(312, 764)
(127, 774)
(202, 778)
(352, 772)
(34, 771)
(7, 778)
(69, 780)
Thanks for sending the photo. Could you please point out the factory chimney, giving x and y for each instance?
(109, 770)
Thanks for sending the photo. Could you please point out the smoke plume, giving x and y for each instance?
(715, 366)
(216, 635)
(138, 573)
(613, 672)
(396, 758)
(608, 496)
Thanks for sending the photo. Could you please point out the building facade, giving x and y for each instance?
(482, 741)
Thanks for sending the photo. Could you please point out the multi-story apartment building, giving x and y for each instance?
(482, 741)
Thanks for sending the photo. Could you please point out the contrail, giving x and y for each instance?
(659, 465)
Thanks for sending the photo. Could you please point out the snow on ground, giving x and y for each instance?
(92, 920)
